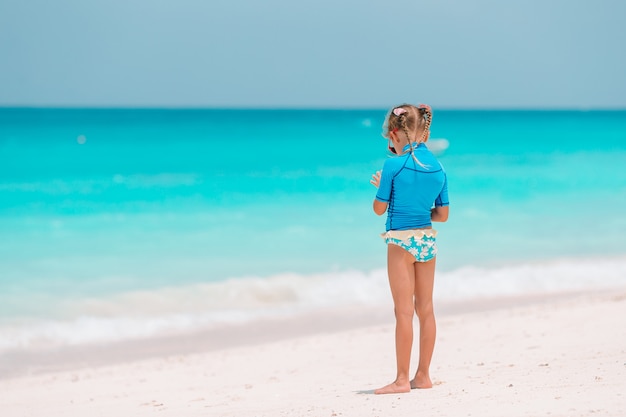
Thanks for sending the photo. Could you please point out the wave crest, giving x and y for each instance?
(142, 314)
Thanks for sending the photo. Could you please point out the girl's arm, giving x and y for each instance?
(439, 214)
(379, 207)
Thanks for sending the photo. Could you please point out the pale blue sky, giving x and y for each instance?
(313, 53)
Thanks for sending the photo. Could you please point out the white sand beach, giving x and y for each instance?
(548, 356)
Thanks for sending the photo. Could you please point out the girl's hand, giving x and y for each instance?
(375, 181)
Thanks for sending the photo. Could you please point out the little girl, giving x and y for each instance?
(413, 190)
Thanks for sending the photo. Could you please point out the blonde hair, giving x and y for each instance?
(412, 120)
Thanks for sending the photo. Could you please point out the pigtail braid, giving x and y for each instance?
(411, 120)
(416, 114)
(405, 129)
(428, 118)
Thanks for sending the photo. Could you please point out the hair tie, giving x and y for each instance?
(398, 111)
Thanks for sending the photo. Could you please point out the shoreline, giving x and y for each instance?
(17, 363)
(562, 355)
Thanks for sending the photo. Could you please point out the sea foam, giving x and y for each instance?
(144, 314)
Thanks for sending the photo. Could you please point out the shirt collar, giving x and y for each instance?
(415, 146)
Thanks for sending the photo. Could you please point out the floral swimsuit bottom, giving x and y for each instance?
(420, 243)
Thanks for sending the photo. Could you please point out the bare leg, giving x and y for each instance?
(402, 282)
(424, 282)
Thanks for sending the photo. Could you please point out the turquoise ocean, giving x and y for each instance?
(128, 223)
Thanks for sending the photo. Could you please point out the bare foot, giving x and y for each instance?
(421, 381)
(394, 388)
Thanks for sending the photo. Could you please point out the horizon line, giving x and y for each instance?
(300, 108)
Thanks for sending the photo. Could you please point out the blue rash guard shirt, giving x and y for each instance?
(411, 190)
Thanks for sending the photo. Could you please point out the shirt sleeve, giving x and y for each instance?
(386, 180)
(442, 198)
